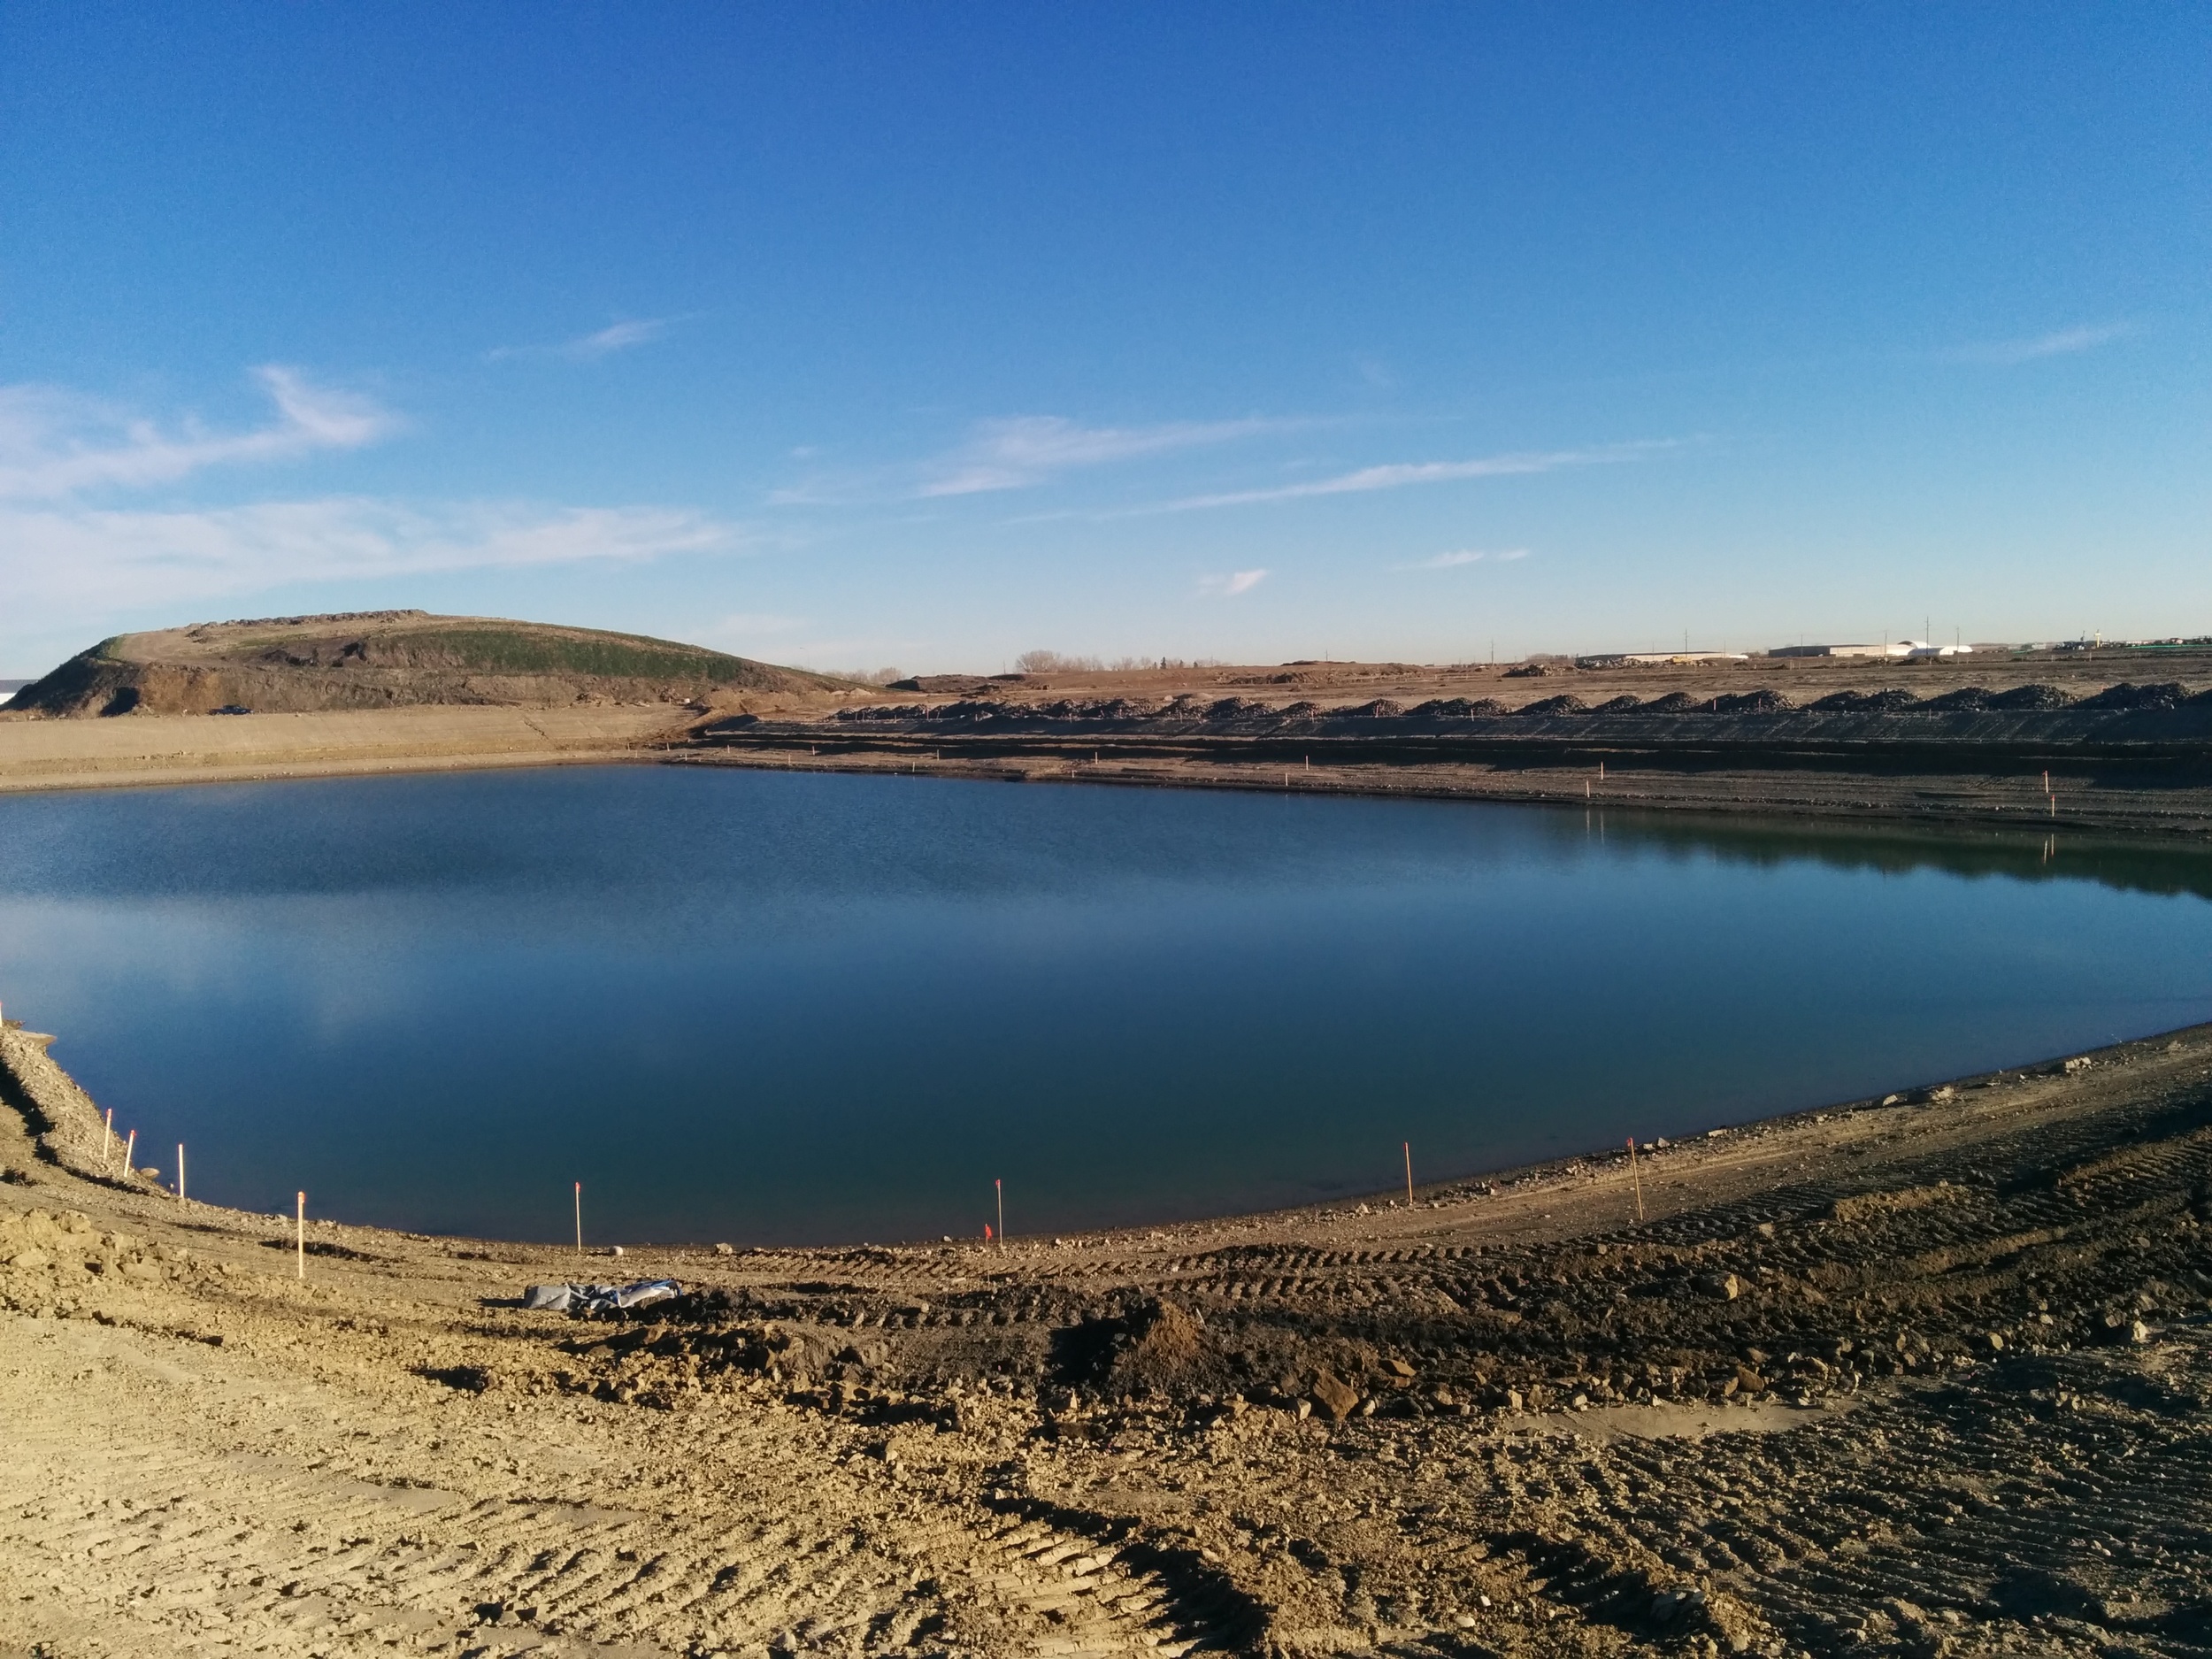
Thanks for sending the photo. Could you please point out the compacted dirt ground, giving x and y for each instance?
(1923, 1376)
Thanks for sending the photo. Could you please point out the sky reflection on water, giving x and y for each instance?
(764, 1007)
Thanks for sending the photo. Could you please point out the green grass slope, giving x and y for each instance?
(393, 659)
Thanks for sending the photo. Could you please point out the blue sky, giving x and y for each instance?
(861, 336)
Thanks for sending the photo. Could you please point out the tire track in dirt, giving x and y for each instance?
(224, 1550)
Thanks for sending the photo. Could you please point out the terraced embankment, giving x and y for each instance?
(1926, 1376)
(2130, 758)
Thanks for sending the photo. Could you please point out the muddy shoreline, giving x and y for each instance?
(2099, 804)
(2179, 814)
(66, 1132)
(1933, 1376)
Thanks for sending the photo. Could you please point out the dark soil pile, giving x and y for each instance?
(2030, 697)
(2171, 695)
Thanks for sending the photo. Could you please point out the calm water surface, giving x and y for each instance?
(763, 1007)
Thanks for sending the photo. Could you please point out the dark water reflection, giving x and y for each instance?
(758, 1006)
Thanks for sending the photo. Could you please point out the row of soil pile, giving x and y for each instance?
(1244, 711)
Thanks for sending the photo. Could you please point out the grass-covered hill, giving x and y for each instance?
(383, 660)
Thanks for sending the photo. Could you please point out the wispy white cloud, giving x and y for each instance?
(1465, 555)
(1018, 452)
(1230, 585)
(2058, 343)
(84, 558)
(55, 444)
(1401, 474)
(620, 337)
(1031, 449)
(67, 548)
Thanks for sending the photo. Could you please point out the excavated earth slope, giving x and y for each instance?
(1927, 1375)
(383, 660)
(2125, 720)
(2121, 755)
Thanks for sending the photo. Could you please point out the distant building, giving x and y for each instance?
(1616, 659)
(1888, 649)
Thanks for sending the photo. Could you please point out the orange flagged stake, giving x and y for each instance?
(1407, 1145)
(107, 1140)
(987, 1235)
(130, 1153)
(580, 1217)
(180, 1171)
(299, 1240)
(1636, 1176)
(1000, 1187)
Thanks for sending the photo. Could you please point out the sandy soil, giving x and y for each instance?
(155, 748)
(1923, 1376)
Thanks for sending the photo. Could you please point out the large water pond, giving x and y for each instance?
(772, 1007)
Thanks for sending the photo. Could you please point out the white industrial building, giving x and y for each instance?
(1888, 649)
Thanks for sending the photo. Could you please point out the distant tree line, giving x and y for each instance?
(1060, 663)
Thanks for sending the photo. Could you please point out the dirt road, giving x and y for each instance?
(1933, 1375)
